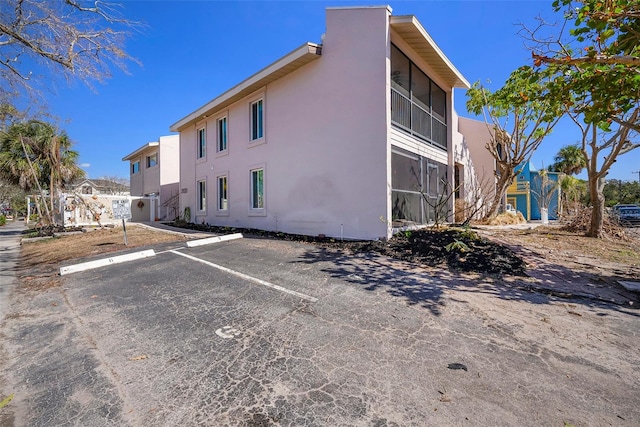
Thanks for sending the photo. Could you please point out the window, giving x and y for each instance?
(257, 189)
(417, 183)
(135, 167)
(202, 195)
(222, 193)
(418, 105)
(152, 160)
(257, 120)
(222, 134)
(202, 143)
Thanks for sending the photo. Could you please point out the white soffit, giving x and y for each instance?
(285, 65)
(412, 32)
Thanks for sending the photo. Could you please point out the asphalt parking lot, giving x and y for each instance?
(260, 332)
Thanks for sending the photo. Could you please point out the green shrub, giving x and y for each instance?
(3, 220)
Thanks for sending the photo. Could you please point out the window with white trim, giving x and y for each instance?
(257, 189)
(222, 134)
(257, 119)
(202, 195)
(223, 201)
(202, 143)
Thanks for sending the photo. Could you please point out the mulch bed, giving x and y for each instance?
(453, 248)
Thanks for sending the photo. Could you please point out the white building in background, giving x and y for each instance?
(340, 139)
(154, 171)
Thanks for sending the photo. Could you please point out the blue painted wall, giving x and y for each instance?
(530, 174)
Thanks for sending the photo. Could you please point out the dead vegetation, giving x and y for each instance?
(581, 220)
(40, 260)
(507, 218)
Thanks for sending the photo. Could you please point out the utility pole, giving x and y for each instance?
(638, 172)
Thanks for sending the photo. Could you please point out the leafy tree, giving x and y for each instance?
(616, 191)
(34, 155)
(570, 160)
(573, 192)
(77, 38)
(519, 116)
(13, 198)
(596, 76)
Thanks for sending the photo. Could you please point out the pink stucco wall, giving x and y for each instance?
(326, 152)
(471, 151)
(325, 146)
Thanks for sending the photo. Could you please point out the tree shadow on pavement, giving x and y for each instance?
(427, 286)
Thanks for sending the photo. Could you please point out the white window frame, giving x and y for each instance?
(201, 143)
(219, 135)
(260, 210)
(256, 134)
(222, 208)
(148, 160)
(201, 196)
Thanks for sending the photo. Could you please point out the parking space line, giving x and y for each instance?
(249, 278)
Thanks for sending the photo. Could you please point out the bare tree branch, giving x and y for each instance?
(85, 43)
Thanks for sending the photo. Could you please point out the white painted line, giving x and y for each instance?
(209, 240)
(630, 286)
(106, 261)
(249, 278)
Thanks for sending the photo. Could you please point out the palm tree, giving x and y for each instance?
(573, 190)
(34, 154)
(570, 160)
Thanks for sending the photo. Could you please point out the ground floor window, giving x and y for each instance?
(419, 185)
(202, 195)
(257, 188)
(222, 193)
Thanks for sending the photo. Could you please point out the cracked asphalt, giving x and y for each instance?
(171, 341)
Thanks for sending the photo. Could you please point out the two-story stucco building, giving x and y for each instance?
(154, 171)
(341, 139)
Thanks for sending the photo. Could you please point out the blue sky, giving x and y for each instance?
(192, 51)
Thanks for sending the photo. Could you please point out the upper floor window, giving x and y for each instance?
(152, 160)
(418, 105)
(222, 134)
(257, 119)
(135, 167)
(202, 143)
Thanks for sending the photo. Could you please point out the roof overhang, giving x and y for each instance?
(412, 32)
(140, 151)
(285, 65)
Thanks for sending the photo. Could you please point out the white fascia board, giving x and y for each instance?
(307, 49)
(140, 150)
(417, 27)
(384, 6)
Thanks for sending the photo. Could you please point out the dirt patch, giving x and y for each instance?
(39, 261)
(611, 256)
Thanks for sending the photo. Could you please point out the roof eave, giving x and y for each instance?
(140, 150)
(283, 66)
(410, 29)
